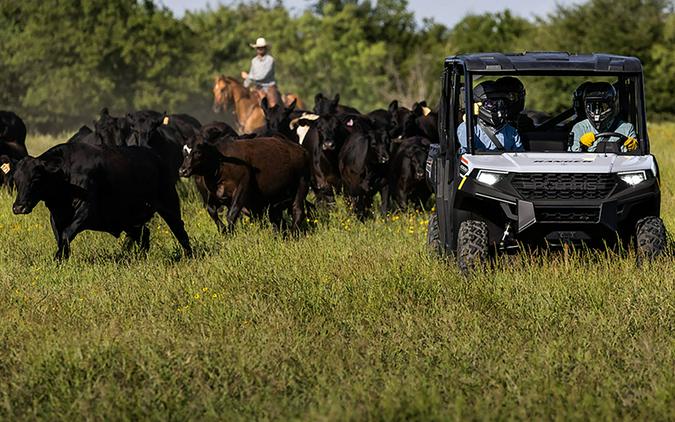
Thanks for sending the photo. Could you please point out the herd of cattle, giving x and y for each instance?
(115, 177)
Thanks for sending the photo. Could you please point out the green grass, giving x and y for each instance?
(354, 321)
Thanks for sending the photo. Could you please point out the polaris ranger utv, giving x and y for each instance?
(550, 190)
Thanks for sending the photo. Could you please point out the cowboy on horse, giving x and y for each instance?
(261, 75)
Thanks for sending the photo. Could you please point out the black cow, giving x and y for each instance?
(84, 134)
(110, 130)
(363, 169)
(108, 189)
(148, 130)
(7, 166)
(324, 106)
(12, 135)
(278, 120)
(211, 132)
(407, 181)
(402, 123)
(426, 121)
(323, 142)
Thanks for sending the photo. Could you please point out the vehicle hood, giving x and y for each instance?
(538, 162)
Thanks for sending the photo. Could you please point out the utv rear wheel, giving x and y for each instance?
(434, 235)
(650, 236)
(472, 245)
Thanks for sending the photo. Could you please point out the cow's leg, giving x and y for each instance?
(201, 188)
(276, 215)
(169, 210)
(139, 235)
(145, 238)
(68, 231)
(238, 200)
(212, 208)
(384, 196)
(298, 206)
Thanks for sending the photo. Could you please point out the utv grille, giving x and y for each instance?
(563, 186)
(571, 215)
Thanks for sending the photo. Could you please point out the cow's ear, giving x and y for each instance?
(318, 97)
(418, 109)
(265, 105)
(105, 112)
(291, 107)
(336, 100)
(393, 106)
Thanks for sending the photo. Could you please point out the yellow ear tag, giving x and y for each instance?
(5, 168)
(166, 120)
(475, 108)
(426, 111)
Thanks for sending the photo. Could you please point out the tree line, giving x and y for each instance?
(61, 61)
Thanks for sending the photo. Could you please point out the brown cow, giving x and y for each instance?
(260, 174)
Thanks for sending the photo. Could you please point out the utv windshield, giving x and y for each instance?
(536, 113)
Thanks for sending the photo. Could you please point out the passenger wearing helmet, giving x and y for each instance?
(492, 131)
(514, 90)
(602, 115)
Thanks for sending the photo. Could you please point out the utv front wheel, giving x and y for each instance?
(650, 236)
(472, 245)
(434, 235)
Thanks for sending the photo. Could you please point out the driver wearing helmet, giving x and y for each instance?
(515, 93)
(602, 115)
(492, 131)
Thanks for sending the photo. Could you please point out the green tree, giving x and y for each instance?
(661, 81)
(499, 32)
(67, 59)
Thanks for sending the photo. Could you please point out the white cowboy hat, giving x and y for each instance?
(259, 43)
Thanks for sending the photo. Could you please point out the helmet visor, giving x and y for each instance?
(494, 105)
(599, 110)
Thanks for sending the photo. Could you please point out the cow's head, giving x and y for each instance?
(111, 130)
(33, 179)
(402, 123)
(277, 117)
(418, 162)
(202, 159)
(378, 141)
(331, 132)
(324, 105)
(142, 126)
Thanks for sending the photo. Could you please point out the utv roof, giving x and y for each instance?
(550, 61)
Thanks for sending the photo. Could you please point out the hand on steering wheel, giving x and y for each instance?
(630, 143)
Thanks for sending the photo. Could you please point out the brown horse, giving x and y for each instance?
(248, 114)
(247, 111)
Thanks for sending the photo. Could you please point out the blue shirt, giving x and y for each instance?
(507, 135)
(585, 126)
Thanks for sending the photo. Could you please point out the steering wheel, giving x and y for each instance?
(622, 138)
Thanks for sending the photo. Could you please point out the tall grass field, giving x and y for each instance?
(353, 321)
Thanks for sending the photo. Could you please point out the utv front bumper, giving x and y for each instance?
(559, 207)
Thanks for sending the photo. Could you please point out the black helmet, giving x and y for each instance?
(514, 90)
(578, 100)
(601, 104)
(492, 104)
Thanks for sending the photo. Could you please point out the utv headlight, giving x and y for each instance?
(633, 177)
(489, 177)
